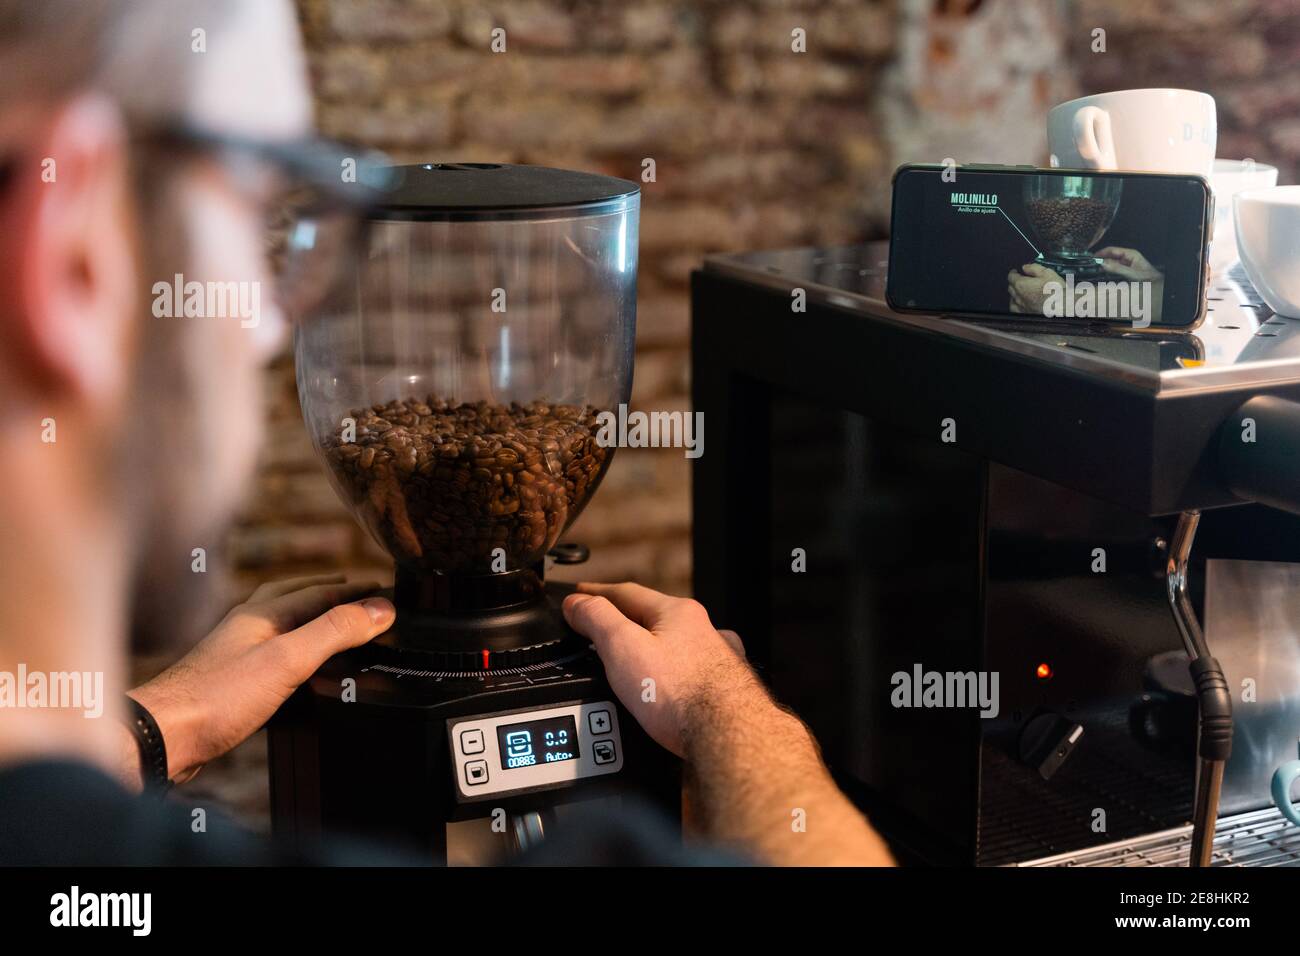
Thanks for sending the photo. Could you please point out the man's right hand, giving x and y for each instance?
(643, 636)
(752, 767)
(1128, 264)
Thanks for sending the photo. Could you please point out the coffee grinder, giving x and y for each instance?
(1068, 215)
(452, 379)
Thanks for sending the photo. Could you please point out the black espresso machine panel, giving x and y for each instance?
(891, 501)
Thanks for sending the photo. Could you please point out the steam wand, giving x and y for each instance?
(1214, 702)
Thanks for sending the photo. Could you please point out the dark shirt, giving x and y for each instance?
(63, 813)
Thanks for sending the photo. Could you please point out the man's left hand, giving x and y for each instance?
(231, 683)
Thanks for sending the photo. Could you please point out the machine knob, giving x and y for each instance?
(1047, 740)
(1263, 466)
(569, 553)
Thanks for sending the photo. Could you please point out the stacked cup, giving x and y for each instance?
(1174, 131)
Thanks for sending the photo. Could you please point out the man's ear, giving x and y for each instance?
(68, 274)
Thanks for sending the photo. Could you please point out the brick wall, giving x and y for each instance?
(1245, 53)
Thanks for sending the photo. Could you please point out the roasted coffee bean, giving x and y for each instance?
(442, 485)
(1069, 223)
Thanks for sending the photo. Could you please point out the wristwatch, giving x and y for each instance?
(153, 749)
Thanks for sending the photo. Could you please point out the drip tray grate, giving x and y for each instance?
(1260, 838)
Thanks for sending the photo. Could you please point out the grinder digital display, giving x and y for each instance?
(537, 741)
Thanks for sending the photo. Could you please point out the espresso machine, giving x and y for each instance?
(894, 501)
(452, 379)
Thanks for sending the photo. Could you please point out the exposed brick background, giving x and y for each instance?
(755, 147)
(1245, 53)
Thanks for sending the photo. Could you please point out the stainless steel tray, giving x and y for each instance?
(1260, 838)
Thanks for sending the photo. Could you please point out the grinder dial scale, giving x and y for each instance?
(452, 377)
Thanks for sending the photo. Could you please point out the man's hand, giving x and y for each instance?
(643, 635)
(1027, 288)
(231, 683)
(754, 776)
(1128, 264)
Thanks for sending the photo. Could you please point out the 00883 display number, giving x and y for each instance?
(537, 741)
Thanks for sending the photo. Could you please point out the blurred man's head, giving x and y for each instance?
(157, 416)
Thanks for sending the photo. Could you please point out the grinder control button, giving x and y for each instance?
(598, 720)
(471, 741)
(476, 772)
(603, 751)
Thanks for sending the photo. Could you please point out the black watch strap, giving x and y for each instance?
(153, 750)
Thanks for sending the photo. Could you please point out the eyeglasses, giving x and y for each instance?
(315, 195)
(337, 175)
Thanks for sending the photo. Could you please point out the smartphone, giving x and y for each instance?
(1069, 245)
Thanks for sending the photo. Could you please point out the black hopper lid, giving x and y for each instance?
(447, 192)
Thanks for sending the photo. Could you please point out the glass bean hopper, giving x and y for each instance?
(453, 377)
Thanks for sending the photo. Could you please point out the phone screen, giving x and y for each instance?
(1063, 244)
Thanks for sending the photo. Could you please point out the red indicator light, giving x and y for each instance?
(1043, 671)
(486, 659)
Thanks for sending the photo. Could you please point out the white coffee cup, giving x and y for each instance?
(1164, 131)
(1268, 241)
(1230, 177)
